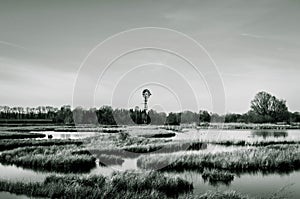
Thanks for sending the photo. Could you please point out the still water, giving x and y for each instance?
(247, 135)
(67, 135)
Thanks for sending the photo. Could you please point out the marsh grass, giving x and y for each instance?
(254, 143)
(105, 160)
(88, 129)
(134, 151)
(119, 185)
(217, 195)
(279, 158)
(172, 128)
(54, 158)
(166, 147)
(8, 144)
(215, 177)
(20, 135)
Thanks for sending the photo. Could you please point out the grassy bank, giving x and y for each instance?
(119, 185)
(273, 158)
(20, 135)
(54, 158)
(8, 144)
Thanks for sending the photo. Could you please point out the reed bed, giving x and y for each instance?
(89, 129)
(8, 144)
(133, 151)
(215, 177)
(54, 158)
(217, 195)
(254, 143)
(166, 147)
(106, 160)
(119, 185)
(280, 158)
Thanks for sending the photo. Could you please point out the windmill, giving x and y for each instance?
(146, 94)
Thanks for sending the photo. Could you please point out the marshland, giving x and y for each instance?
(203, 163)
(175, 157)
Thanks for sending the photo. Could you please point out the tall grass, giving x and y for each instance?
(119, 185)
(8, 144)
(54, 158)
(215, 177)
(217, 195)
(166, 147)
(280, 158)
(254, 143)
(106, 160)
(134, 150)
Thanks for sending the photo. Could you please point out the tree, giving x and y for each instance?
(188, 117)
(267, 108)
(204, 116)
(157, 118)
(105, 116)
(173, 119)
(295, 117)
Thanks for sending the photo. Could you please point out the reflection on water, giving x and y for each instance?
(67, 135)
(6, 195)
(237, 135)
(10, 172)
(266, 134)
(256, 185)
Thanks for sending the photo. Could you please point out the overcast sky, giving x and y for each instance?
(255, 45)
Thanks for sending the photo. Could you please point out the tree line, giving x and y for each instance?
(265, 108)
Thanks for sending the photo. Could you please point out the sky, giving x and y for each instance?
(50, 53)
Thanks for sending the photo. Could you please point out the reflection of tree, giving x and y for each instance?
(266, 134)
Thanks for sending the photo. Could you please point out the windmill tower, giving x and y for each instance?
(146, 94)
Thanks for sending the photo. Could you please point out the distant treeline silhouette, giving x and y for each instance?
(265, 108)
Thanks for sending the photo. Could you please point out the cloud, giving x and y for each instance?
(252, 36)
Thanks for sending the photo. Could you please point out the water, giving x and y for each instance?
(255, 185)
(236, 135)
(13, 173)
(252, 184)
(7, 195)
(67, 135)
